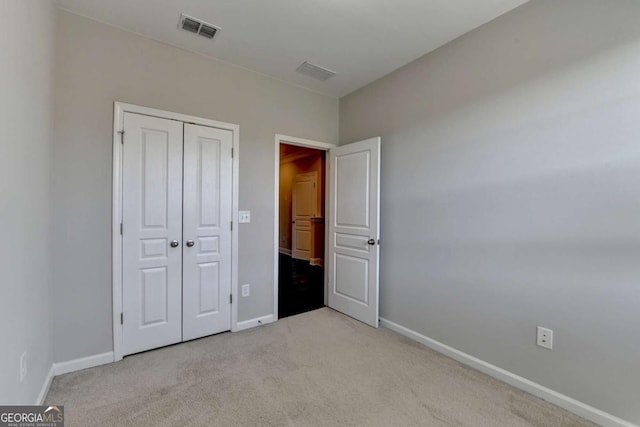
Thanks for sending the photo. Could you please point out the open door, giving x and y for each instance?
(354, 229)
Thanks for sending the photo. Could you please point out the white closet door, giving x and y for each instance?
(152, 230)
(207, 231)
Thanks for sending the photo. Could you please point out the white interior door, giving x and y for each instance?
(354, 229)
(207, 231)
(152, 233)
(303, 200)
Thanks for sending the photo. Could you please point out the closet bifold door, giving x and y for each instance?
(152, 232)
(207, 210)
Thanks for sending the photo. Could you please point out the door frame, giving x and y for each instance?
(119, 108)
(300, 142)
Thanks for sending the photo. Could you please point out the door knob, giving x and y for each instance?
(190, 243)
(371, 242)
(174, 243)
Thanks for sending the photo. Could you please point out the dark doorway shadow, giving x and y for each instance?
(300, 286)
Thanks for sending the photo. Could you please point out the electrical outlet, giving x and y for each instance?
(545, 337)
(246, 290)
(23, 366)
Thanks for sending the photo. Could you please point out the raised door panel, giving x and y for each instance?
(352, 195)
(207, 231)
(152, 218)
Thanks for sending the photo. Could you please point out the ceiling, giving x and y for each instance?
(290, 152)
(361, 40)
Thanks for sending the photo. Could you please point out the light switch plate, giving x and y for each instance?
(244, 217)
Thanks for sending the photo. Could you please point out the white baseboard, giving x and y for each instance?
(46, 386)
(316, 261)
(252, 323)
(285, 251)
(72, 366)
(582, 409)
(83, 363)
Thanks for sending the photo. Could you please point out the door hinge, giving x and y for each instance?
(121, 228)
(121, 132)
(121, 318)
(230, 298)
(232, 152)
(231, 225)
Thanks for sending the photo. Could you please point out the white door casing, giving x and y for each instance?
(304, 206)
(152, 212)
(354, 229)
(207, 219)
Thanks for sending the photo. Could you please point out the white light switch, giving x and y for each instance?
(244, 217)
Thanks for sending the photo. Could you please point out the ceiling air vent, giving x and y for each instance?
(314, 71)
(197, 26)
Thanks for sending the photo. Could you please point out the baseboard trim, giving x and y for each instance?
(316, 261)
(285, 251)
(71, 366)
(252, 323)
(582, 409)
(82, 363)
(46, 386)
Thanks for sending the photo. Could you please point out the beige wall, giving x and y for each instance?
(26, 120)
(96, 65)
(288, 172)
(511, 198)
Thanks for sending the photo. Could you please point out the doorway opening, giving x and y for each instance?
(350, 216)
(301, 229)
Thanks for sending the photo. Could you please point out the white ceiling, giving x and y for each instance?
(361, 40)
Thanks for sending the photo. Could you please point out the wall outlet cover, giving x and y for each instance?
(23, 366)
(544, 337)
(246, 290)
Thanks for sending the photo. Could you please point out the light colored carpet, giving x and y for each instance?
(316, 369)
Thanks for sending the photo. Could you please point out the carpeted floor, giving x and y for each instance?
(315, 369)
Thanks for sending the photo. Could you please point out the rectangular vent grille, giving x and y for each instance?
(207, 31)
(315, 72)
(197, 26)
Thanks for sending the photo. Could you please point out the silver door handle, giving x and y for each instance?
(190, 243)
(371, 242)
(174, 243)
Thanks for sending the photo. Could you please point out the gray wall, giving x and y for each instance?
(511, 195)
(26, 120)
(96, 65)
